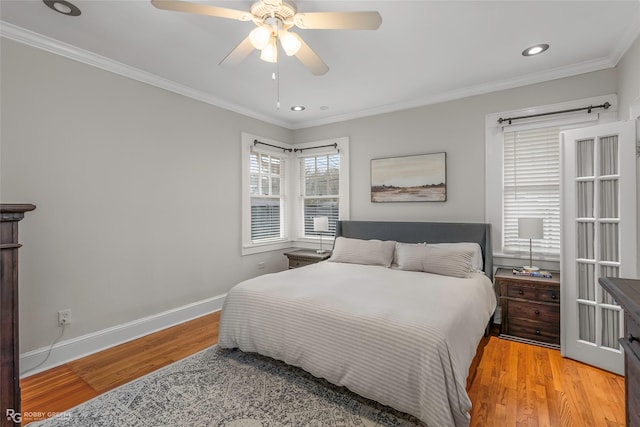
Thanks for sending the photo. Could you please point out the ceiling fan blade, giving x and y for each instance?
(202, 9)
(309, 58)
(338, 20)
(238, 54)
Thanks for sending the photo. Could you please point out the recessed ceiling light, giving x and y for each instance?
(535, 50)
(297, 108)
(63, 6)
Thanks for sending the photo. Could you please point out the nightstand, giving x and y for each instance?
(302, 257)
(530, 308)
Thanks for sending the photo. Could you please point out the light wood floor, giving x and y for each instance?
(515, 385)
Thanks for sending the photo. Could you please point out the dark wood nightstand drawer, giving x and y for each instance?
(549, 295)
(533, 311)
(535, 330)
(295, 263)
(519, 291)
(302, 257)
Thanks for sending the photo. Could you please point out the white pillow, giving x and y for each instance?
(454, 262)
(476, 260)
(395, 253)
(368, 252)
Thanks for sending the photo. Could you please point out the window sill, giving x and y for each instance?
(523, 256)
(266, 247)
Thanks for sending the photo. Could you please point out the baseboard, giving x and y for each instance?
(75, 348)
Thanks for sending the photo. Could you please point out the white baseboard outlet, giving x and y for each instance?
(75, 348)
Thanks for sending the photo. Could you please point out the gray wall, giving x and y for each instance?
(457, 127)
(137, 192)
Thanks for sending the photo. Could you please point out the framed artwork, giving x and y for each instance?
(419, 178)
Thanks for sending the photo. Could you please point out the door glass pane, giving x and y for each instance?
(610, 328)
(584, 199)
(586, 282)
(585, 240)
(609, 155)
(609, 198)
(609, 242)
(608, 271)
(587, 322)
(584, 158)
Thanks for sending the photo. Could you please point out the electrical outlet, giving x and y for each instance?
(64, 317)
(260, 265)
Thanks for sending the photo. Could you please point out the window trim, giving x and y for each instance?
(494, 148)
(293, 226)
(249, 247)
(296, 193)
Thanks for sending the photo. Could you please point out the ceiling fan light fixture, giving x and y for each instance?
(261, 36)
(270, 53)
(290, 43)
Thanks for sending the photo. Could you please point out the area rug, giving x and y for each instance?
(229, 388)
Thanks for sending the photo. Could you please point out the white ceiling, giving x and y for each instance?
(424, 51)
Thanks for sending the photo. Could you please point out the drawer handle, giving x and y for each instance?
(553, 296)
(537, 331)
(632, 338)
(520, 292)
(537, 312)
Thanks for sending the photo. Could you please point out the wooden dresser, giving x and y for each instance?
(530, 308)
(10, 214)
(627, 293)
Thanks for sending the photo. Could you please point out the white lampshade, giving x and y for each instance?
(261, 36)
(321, 223)
(530, 228)
(290, 42)
(270, 53)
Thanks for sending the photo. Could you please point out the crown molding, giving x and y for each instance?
(39, 41)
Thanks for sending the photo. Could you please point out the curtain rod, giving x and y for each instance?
(606, 105)
(256, 142)
(334, 145)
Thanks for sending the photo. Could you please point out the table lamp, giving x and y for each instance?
(530, 228)
(321, 225)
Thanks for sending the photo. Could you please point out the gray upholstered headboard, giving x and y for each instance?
(418, 232)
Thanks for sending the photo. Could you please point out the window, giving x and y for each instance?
(323, 186)
(266, 173)
(265, 206)
(317, 176)
(320, 184)
(522, 173)
(531, 185)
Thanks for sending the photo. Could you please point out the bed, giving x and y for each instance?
(404, 337)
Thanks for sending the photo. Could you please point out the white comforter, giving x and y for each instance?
(405, 339)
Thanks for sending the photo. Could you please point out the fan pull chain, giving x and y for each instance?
(276, 76)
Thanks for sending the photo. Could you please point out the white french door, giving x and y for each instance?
(598, 238)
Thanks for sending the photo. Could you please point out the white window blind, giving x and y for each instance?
(531, 179)
(266, 179)
(320, 188)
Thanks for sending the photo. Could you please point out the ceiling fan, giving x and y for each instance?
(274, 19)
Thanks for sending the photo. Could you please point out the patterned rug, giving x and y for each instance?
(229, 388)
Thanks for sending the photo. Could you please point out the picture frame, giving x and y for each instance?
(416, 178)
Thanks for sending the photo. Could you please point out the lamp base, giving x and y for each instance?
(530, 268)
